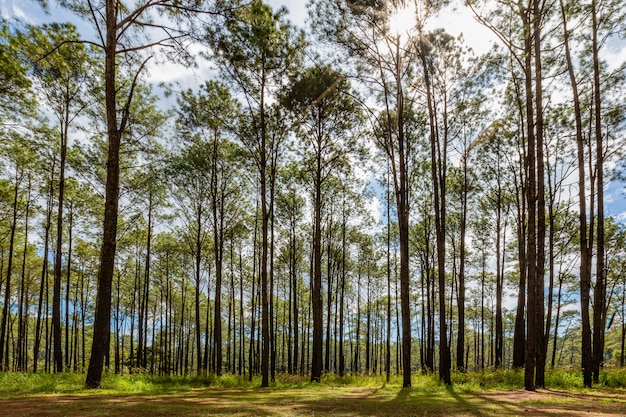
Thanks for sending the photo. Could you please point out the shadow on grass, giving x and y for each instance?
(551, 403)
(323, 400)
(462, 401)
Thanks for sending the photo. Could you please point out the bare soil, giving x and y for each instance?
(325, 402)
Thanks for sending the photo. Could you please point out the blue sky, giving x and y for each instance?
(455, 20)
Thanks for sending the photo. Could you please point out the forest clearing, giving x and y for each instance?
(325, 402)
(142, 395)
(199, 199)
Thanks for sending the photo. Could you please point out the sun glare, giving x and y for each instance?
(402, 20)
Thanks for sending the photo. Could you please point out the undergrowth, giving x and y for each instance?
(18, 384)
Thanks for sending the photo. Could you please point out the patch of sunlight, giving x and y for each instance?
(403, 18)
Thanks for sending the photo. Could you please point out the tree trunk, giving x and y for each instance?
(541, 349)
(44, 272)
(599, 293)
(585, 247)
(198, 261)
(4, 337)
(102, 320)
(329, 292)
(22, 338)
(67, 286)
(460, 344)
(56, 295)
(499, 348)
(342, 358)
(438, 170)
(146, 282)
(388, 341)
(316, 301)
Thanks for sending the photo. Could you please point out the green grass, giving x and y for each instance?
(14, 383)
(495, 393)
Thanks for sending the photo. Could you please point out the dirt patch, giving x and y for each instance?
(327, 402)
(543, 402)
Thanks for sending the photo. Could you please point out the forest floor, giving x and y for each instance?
(321, 401)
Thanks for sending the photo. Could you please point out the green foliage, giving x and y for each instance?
(614, 378)
(564, 379)
(16, 384)
(500, 379)
(14, 84)
(255, 45)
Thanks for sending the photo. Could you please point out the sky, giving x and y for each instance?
(456, 20)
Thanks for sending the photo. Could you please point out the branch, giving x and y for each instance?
(509, 45)
(149, 45)
(128, 21)
(126, 109)
(95, 21)
(56, 48)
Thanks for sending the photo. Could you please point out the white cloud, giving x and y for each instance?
(297, 10)
(614, 52)
(10, 10)
(460, 20)
(374, 207)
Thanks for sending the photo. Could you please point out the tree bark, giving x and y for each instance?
(102, 320)
(4, 353)
(599, 293)
(316, 301)
(585, 247)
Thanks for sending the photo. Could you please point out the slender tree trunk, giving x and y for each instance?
(599, 293)
(388, 341)
(342, 357)
(217, 204)
(357, 342)
(329, 292)
(253, 300)
(460, 344)
(316, 301)
(198, 262)
(623, 338)
(585, 248)
(290, 360)
(531, 198)
(67, 285)
(438, 168)
(232, 322)
(117, 327)
(146, 281)
(368, 326)
(22, 337)
(44, 272)
(240, 370)
(499, 348)
(401, 186)
(296, 326)
(4, 337)
(271, 318)
(541, 349)
(556, 321)
(56, 296)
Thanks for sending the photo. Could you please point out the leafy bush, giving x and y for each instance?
(613, 378)
(499, 379)
(17, 384)
(12, 383)
(564, 378)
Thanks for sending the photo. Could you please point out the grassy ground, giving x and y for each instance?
(491, 394)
